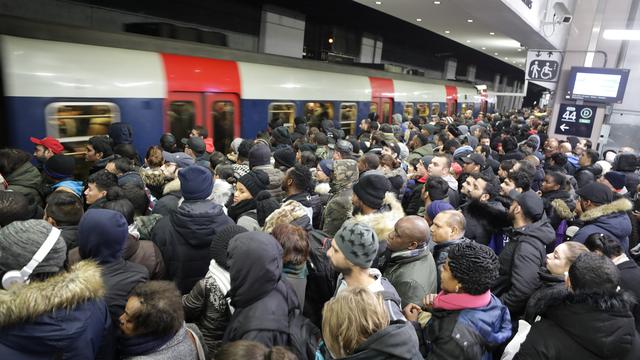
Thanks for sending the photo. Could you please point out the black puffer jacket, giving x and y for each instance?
(262, 299)
(549, 283)
(520, 260)
(558, 205)
(483, 220)
(396, 341)
(583, 327)
(184, 238)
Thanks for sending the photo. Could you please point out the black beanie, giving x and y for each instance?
(60, 166)
(260, 154)
(475, 266)
(255, 181)
(281, 135)
(371, 189)
(285, 157)
(220, 243)
(244, 148)
(265, 205)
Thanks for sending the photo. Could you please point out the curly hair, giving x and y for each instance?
(475, 266)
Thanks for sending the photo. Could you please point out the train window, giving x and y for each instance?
(222, 117)
(80, 120)
(408, 110)
(435, 108)
(386, 110)
(348, 117)
(313, 111)
(423, 110)
(284, 111)
(182, 118)
(373, 107)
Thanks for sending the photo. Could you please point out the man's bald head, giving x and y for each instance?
(410, 232)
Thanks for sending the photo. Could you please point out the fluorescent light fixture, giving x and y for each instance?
(469, 20)
(492, 33)
(447, 32)
(484, 48)
(468, 41)
(506, 58)
(418, 19)
(615, 34)
(436, 2)
(496, 54)
(378, 2)
(519, 49)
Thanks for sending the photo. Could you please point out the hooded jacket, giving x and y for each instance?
(262, 299)
(520, 260)
(63, 316)
(101, 236)
(583, 327)
(467, 334)
(339, 207)
(549, 284)
(184, 239)
(421, 152)
(275, 180)
(558, 205)
(171, 196)
(396, 341)
(26, 180)
(384, 221)
(483, 220)
(609, 219)
(299, 131)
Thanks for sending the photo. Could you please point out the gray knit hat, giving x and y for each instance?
(20, 240)
(358, 242)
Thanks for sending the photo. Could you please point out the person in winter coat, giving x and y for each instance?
(262, 299)
(171, 194)
(627, 164)
(629, 270)
(260, 159)
(467, 320)
(243, 210)
(295, 246)
(153, 325)
(588, 322)
(552, 276)
(297, 185)
(419, 147)
(99, 152)
(485, 215)
(410, 267)
(558, 203)
(58, 313)
(300, 130)
(447, 229)
(524, 254)
(206, 304)
(21, 175)
(356, 326)
(64, 211)
(151, 172)
(58, 173)
(184, 236)
(600, 214)
(339, 207)
(588, 170)
(101, 236)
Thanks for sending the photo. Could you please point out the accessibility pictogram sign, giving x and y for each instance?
(543, 65)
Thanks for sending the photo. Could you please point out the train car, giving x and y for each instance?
(72, 91)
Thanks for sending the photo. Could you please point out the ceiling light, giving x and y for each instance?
(506, 58)
(496, 54)
(436, 2)
(447, 31)
(514, 62)
(492, 33)
(468, 41)
(612, 34)
(418, 19)
(330, 40)
(469, 20)
(484, 48)
(378, 2)
(519, 49)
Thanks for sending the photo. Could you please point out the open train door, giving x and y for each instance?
(382, 92)
(451, 99)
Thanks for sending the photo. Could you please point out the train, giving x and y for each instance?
(72, 87)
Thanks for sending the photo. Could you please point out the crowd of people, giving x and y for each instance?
(424, 238)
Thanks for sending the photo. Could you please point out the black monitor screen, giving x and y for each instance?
(597, 84)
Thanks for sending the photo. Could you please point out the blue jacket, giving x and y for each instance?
(609, 219)
(73, 324)
(466, 334)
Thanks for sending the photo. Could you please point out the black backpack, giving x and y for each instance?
(304, 336)
(322, 278)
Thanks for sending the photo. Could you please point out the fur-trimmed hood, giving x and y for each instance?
(81, 283)
(383, 222)
(618, 206)
(562, 209)
(171, 186)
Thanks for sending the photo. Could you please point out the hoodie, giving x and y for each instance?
(396, 341)
(262, 299)
(101, 236)
(184, 238)
(339, 207)
(77, 187)
(26, 180)
(610, 219)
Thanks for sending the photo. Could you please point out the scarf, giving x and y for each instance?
(222, 279)
(235, 211)
(453, 301)
(141, 345)
(296, 271)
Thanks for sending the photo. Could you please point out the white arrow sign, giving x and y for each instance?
(564, 127)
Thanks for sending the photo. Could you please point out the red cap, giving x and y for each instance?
(50, 143)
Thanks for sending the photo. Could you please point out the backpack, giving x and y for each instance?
(316, 205)
(304, 336)
(322, 278)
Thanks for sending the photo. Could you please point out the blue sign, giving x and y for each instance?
(575, 120)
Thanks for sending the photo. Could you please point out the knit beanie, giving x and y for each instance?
(255, 181)
(327, 167)
(281, 135)
(265, 205)
(475, 266)
(616, 179)
(220, 243)
(260, 154)
(60, 167)
(235, 144)
(285, 157)
(437, 207)
(244, 148)
(358, 242)
(196, 182)
(20, 240)
(371, 189)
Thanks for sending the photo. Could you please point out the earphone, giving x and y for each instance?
(21, 277)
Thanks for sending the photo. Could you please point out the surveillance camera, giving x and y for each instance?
(561, 14)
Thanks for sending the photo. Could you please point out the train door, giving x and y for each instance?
(222, 114)
(383, 106)
(452, 99)
(184, 111)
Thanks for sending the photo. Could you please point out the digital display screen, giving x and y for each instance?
(597, 84)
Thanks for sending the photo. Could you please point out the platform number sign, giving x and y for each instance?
(575, 120)
(543, 65)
